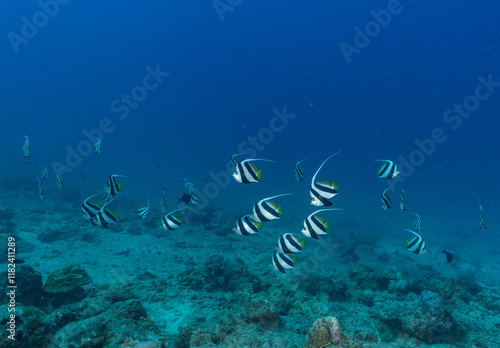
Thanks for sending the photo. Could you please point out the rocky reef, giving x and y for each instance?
(224, 304)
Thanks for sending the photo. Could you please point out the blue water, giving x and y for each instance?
(229, 70)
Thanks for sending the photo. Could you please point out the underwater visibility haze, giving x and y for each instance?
(235, 173)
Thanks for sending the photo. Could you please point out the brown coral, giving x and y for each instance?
(66, 279)
(324, 333)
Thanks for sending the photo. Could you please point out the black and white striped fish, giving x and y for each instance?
(282, 262)
(113, 185)
(106, 217)
(264, 211)
(142, 212)
(314, 226)
(482, 222)
(60, 180)
(289, 243)
(44, 173)
(416, 244)
(247, 173)
(322, 192)
(97, 145)
(172, 222)
(26, 147)
(194, 200)
(299, 170)
(90, 209)
(417, 223)
(388, 170)
(41, 194)
(246, 225)
(402, 200)
(386, 200)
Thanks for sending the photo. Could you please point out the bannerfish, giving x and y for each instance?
(388, 170)
(282, 262)
(416, 244)
(482, 222)
(386, 200)
(60, 180)
(322, 192)
(299, 170)
(97, 145)
(113, 185)
(314, 226)
(106, 217)
(449, 256)
(194, 200)
(246, 225)
(142, 212)
(41, 194)
(90, 209)
(188, 186)
(417, 223)
(189, 199)
(247, 173)
(26, 147)
(402, 200)
(289, 243)
(264, 211)
(44, 173)
(172, 222)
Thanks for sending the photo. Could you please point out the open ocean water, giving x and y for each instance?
(164, 95)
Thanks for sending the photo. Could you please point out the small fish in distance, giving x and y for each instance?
(299, 170)
(449, 256)
(388, 170)
(26, 147)
(386, 200)
(402, 200)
